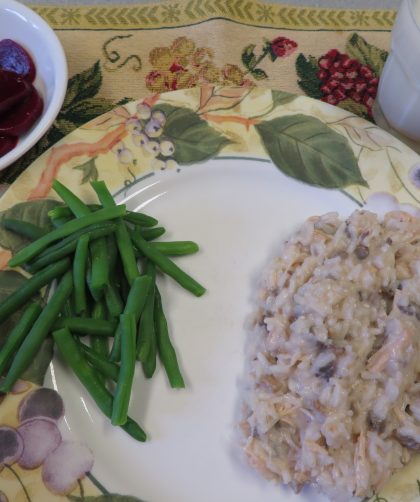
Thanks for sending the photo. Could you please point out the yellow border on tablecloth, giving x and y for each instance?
(178, 13)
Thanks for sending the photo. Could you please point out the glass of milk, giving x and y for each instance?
(398, 100)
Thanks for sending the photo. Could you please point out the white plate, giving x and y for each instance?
(239, 211)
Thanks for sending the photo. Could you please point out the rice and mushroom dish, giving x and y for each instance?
(332, 384)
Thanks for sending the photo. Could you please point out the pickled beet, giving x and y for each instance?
(13, 57)
(12, 90)
(22, 116)
(7, 143)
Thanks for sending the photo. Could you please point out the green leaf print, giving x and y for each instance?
(357, 108)
(89, 171)
(194, 140)
(306, 69)
(282, 97)
(305, 148)
(83, 85)
(259, 74)
(248, 56)
(365, 53)
(35, 212)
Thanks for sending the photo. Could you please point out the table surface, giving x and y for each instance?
(357, 4)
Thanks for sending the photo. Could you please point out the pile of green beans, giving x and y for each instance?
(105, 312)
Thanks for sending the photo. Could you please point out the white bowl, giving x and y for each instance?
(25, 27)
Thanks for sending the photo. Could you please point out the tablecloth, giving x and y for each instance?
(122, 52)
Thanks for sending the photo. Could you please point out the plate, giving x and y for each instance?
(236, 170)
(24, 26)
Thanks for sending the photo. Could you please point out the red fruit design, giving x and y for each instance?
(282, 46)
(344, 78)
(330, 99)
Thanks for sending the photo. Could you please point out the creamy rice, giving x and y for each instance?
(332, 384)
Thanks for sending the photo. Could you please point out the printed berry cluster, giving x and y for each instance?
(342, 77)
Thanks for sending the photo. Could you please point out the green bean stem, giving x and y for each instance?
(167, 266)
(38, 332)
(79, 274)
(18, 334)
(36, 247)
(32, 286)
(126, 373)
(165, 348)
(73, 356)
(176, 248)
(149, 234)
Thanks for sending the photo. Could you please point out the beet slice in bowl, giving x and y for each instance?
(7, 143)
(22, 116)
(13, 57)
(13, 89)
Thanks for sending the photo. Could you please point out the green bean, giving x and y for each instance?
(87, 326)
(165, 348)
(32, 286)
(98, 249)
(66, 212)
(36, 247)
(107, 368)
(149, 234)
(149, 365)
(59, 222)
(79, 274)
(146, 332)
(167, 266)
(38, 332)
(99, 343)
(68, 245)
(100, 268)
(124, 244)
(126, 373)
(72, 354)
(104, 195)
(24, 228)
(135, 303)
(141, 219)
(18, 334)
(77, 207)
(176, 248)
(113, 300)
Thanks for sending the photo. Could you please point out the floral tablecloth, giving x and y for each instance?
(120, 53)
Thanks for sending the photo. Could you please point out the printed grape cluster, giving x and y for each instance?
(342, 77)
(146, 128)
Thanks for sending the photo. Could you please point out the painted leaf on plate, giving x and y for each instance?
(305, 148)
(108, 497)
(367, 54)
(35, 212)
(10, 281)
(89, 171)
(282, 97)
(193, 138)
